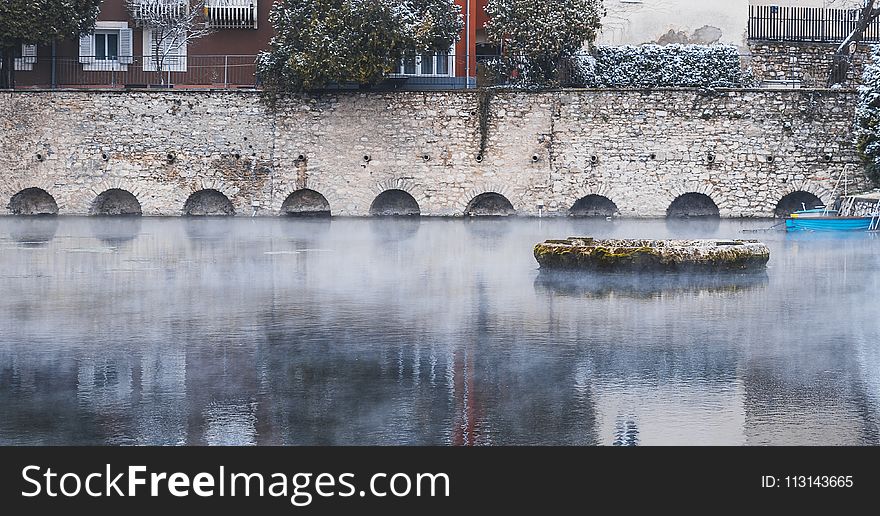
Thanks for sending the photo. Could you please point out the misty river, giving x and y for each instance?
(431, 331)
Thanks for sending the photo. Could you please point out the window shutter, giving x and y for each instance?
(125, 46)
(86, 48)
(176, 54)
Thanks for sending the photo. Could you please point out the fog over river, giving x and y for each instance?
(431, 331)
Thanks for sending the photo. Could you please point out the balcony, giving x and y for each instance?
(231, 14)
(142, 10)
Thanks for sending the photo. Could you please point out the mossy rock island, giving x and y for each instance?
(622, 255)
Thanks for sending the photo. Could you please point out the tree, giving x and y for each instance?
(172, 24)
(322, 42)
(39, 22)
(840, 62)
(867, 127)
(537, 37)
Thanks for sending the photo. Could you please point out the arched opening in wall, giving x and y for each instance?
(115, 202)
(395, 203)
(208, 203)
(692, 205)
(305, 203)
(593, 206)
(795, 201)
(489, 204)
(33, 201)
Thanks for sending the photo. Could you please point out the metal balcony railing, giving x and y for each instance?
(218, 71)
(231, 14)
(152, 9)
(815, 24)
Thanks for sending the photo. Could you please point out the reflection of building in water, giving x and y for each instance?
(626, 433)
(675, 396)
(222, 385)
(161, 412)
(135, 400)
(825, 405)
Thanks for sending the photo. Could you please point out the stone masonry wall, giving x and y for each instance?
(641, 149)
(807, 63)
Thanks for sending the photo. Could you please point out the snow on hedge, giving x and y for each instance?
(644, 66)
(651, 66)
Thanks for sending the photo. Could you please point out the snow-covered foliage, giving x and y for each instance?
(321, 42)
(40, 22)
(867, 128)
(652, 66)
(539, 37)
(645, 66)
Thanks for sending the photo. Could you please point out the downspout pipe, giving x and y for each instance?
(467, 54)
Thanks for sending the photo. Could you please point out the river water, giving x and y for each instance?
(432, 331)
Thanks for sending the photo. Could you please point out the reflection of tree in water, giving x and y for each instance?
(29, 387)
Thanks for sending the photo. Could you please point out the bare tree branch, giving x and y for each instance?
(840, 61)
(172, 24)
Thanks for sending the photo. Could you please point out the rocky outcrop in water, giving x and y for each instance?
(617, 255)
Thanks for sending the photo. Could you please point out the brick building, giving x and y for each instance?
(121, 53)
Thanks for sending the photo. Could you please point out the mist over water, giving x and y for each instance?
(431, 331)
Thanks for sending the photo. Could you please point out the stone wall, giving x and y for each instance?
(745, 149)
(805, 63)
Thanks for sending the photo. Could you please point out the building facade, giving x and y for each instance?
(121, 52)
(783, 41)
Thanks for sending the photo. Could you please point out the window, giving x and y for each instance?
(427, 67)
(409, 66)
(427, 64)
(25, 57)
(109, 48)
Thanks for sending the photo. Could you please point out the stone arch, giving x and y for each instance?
(395, 202)
(305, 203)
(115, 201)
(593, 205)
(797, 200)
(33, 201)
(491, 204)
(692, 205)
(208, 202)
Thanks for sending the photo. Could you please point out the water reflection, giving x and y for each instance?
(390, 229)
(33, 231)
(694, 227)
(207, 228)
(115, 231)
(276, 331)
(565, 283)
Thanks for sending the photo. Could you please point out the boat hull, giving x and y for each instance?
(828, 224)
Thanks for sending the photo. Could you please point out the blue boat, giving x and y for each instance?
(831, 223)
(824, 219)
